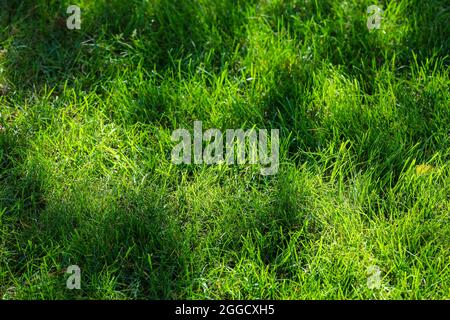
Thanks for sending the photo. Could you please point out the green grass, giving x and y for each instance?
(86, 176)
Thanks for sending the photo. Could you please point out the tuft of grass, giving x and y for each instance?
(86, 178)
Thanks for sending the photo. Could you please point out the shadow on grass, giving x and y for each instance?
(114, 36)
(126, 245)
(43, 50)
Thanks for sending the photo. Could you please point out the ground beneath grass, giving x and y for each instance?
(359, 209)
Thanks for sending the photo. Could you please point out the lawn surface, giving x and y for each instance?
(359, 209)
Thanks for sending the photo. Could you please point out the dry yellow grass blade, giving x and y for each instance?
(422, 169)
